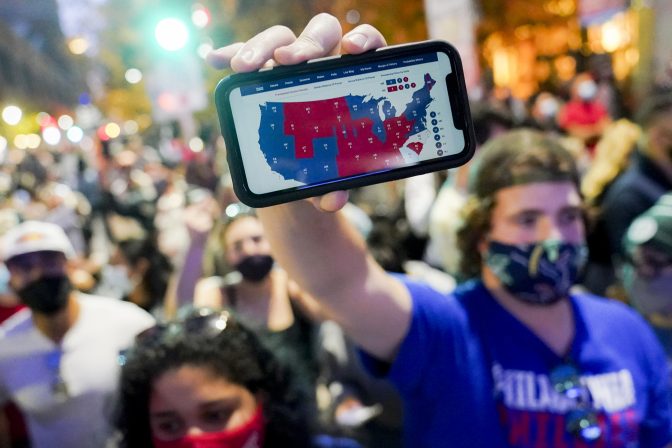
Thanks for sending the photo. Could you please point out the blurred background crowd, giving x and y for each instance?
(108, 130)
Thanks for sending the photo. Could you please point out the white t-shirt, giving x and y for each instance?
(88, 363)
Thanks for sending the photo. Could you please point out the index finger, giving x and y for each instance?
(253, 54)
(321, 37)
(362, 38)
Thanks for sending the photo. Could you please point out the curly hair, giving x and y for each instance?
(516, 158)
(235, 354)
(612, 156)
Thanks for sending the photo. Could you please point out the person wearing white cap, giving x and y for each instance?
(58, 357)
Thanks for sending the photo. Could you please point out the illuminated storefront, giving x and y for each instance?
(528, 46)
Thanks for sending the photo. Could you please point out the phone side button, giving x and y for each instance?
(326, 58)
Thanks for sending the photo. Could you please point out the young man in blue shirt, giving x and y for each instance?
(512, 358)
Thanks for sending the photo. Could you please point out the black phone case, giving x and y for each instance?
(458, 100)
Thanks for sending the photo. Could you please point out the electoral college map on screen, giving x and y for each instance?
(344, 122)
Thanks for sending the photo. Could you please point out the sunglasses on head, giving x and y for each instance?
(198, 321)
(581, 422)
(236, 209)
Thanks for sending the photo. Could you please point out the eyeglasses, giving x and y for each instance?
(196, 321)
(582, 421)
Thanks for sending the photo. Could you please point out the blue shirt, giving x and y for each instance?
(472, 375)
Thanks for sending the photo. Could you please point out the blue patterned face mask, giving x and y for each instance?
(540, 273)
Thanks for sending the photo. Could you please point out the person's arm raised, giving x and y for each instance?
(321, 251)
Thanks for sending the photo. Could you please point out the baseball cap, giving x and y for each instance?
(653, 227)
(35, 236)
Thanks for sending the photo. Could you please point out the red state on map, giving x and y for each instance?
(416, 147)
(359, 149)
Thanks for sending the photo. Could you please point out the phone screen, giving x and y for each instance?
(345, 122)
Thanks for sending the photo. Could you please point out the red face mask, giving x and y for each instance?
(249, 435)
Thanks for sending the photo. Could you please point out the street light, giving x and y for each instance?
(171, 34)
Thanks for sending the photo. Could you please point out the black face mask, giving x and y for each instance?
(47, 295)
(255, 268)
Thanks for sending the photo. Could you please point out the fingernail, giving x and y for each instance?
(358, 39)
(298, 48)
(247, 55)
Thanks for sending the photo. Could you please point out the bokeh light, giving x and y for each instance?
(232, 210)
(133, 76)
(353, 17)
(65, 122)
(75, 134)
(44, 119)
(200, 16)
(131, 127)
(112, 130)
(204, 49)
(12, 114)
(196, 144)
(171, 34)
(21, 141)
(51, 135)
(33, 141)
(78, 45)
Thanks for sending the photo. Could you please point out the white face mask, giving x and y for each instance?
(548, 107)
(587, 90)
(116, 281)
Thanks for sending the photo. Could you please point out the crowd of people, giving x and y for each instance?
(520, 300)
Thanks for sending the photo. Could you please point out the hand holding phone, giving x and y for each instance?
(338, 123)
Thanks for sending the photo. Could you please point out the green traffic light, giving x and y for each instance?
(171, 34)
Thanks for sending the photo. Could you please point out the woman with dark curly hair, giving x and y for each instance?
(207, 381)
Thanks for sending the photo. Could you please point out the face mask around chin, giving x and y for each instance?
(46, 295)
(540, 273)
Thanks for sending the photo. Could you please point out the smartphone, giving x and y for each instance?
(341, 122)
